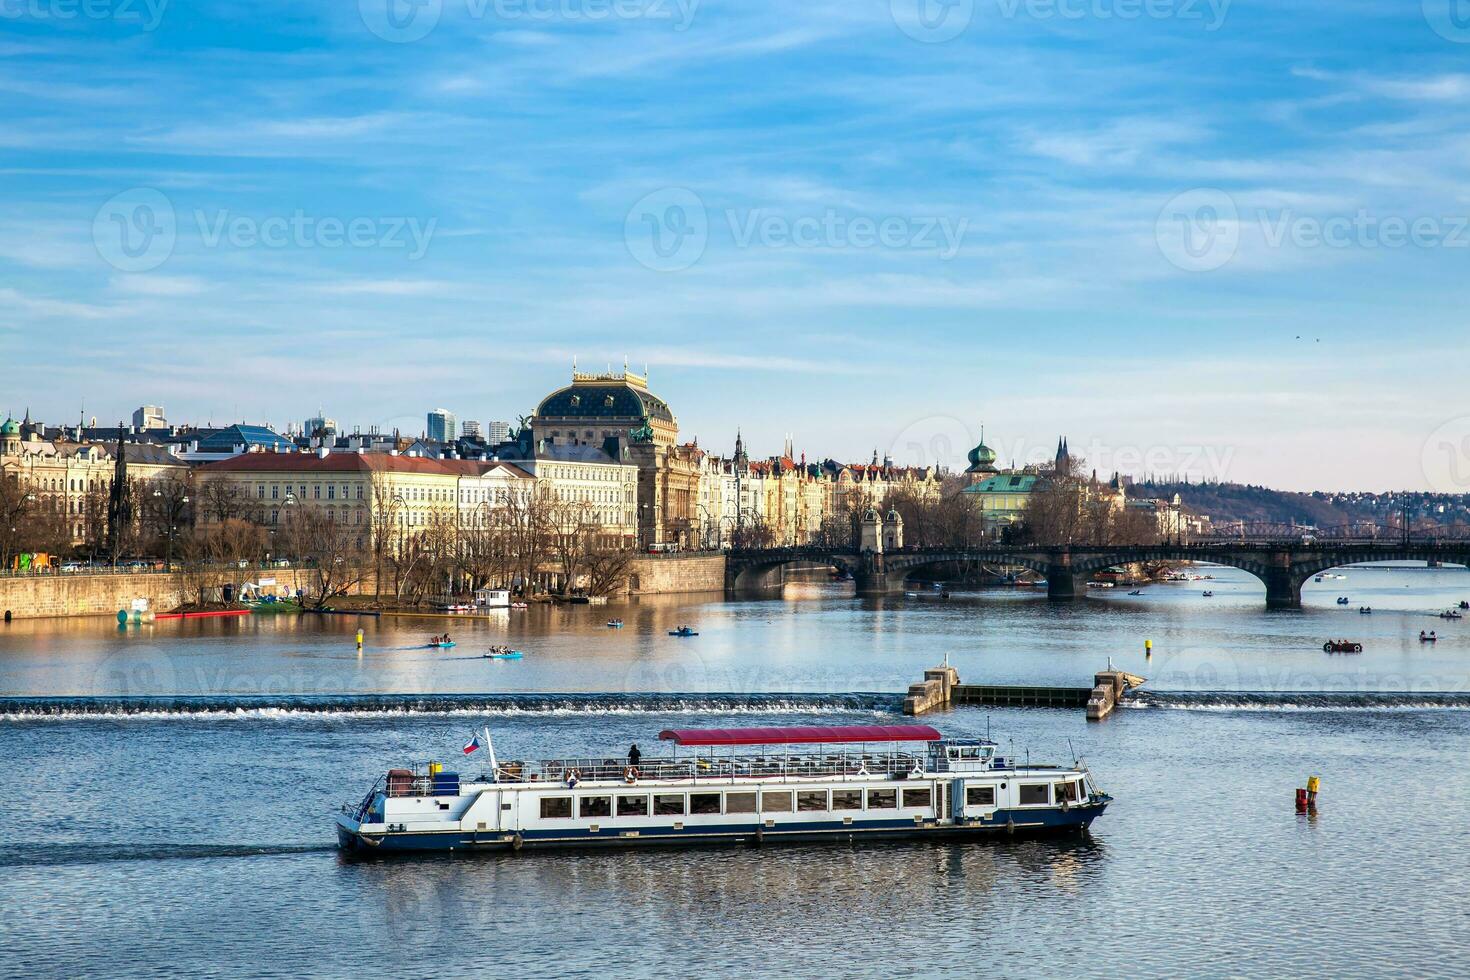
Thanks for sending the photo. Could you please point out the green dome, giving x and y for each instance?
(982, 457)
(10, 428)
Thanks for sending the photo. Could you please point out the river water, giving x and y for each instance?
(172, 787)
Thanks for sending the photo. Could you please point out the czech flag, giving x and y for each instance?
(473, 747)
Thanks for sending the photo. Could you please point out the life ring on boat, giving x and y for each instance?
(630, 774)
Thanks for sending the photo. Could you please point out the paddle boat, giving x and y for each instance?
(1428, 637)
(838, 784)
(1342, 646)
(1136, 592)
(502, 653)
(614, 624)
(683, 631)
(1464, 604)
(1365, 610)
(441, 643)
(1342, 600)
(1450, 614)
(1208, 594)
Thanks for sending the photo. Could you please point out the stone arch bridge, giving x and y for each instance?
(1283, 566)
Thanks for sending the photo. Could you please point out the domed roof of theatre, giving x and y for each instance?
(605, 396)
(10, 428)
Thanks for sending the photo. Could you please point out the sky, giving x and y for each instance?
(1225, 238)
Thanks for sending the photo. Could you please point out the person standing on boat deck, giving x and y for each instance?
(634, 756)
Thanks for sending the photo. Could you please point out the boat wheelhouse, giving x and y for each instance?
(746, 785)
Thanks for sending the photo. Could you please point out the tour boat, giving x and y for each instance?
(736, 786)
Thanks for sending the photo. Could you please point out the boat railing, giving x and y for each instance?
(715, 768)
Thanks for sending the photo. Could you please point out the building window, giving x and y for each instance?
(917, 797)
(556, 807)
(632, 806)
(980, 796)
(1035, 794)
(668, 805)
(739, 802)
(776, 802)
(594, 806)
(704, 803)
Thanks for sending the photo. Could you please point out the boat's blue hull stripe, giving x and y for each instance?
(1003, 820)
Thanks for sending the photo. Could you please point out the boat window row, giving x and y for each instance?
(769, 801)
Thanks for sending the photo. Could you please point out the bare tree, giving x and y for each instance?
(572, 533)
(606, 570)
(332, 550)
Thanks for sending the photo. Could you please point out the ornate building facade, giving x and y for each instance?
(617, 414)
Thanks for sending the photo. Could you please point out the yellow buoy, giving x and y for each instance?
(1312, 784)
(1148, 648)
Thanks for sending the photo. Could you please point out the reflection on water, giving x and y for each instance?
(818, 639)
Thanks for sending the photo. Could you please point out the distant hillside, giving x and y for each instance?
(1236, 501)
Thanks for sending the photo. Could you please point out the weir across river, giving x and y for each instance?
(941, 688)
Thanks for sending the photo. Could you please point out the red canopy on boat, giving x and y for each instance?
(800, 736)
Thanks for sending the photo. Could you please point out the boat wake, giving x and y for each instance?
(53, 855)
(401, 705)
(1296, 701)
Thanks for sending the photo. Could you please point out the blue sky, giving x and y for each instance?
(1227, 237)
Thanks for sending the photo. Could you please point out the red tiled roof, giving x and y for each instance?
(331, 463)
